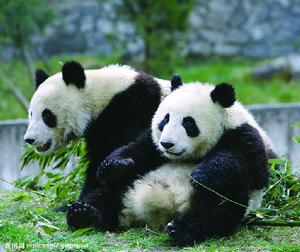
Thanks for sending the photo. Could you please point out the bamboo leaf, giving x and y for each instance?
(81, 231)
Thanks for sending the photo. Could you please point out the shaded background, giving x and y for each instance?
(215, 41)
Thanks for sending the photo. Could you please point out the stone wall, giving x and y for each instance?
(88, 27)
(253, 28)
(275, 119)
(256, 28)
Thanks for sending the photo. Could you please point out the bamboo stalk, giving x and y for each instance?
(274, 223)
(25, 190)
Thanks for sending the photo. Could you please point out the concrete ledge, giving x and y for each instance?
(277, 106)
(11, 149)
(14, 122)
(276, 119)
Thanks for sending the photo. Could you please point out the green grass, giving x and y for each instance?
(235, 71)
(27, 222)
(238, 73)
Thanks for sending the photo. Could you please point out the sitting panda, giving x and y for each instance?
(109, 107)
(205, 166)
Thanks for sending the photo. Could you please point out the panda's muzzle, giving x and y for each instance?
(43, 147)
(174, 153)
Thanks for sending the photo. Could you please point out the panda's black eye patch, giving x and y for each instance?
(49, 118)
(190, 126)
(163, 123)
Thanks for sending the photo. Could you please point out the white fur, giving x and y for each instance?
(238, 114)
(255, 200)
(74, 107)
(190, 100)
(165, 86)
(157, 197)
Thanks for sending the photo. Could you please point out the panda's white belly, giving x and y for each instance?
(159, 196)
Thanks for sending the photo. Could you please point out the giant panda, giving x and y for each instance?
(109, 107)
(204, 165)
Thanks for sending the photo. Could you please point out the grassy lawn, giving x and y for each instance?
(27, 222)
(235, 71)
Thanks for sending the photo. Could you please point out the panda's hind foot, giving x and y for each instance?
(179, 235)
(81, 215)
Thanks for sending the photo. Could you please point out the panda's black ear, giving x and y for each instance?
(176, 82)
(40, 77)
(73, 74)
(224, 94)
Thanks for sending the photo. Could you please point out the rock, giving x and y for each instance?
(195, 20)
(104, 26)
(226, 49)
(212, 35)
(236, 36)
(198, 47)
(284, 3)
(281, 49)
(135, 47)
(257, 49)
(86, 25)
(288, 66)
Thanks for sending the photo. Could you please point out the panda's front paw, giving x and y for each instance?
(179, 236)
(114, 168)
(81, 215)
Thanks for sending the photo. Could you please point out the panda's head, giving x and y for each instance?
(57, 112)
(190, 121)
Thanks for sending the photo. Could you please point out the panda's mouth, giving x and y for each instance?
(174, 153)
(43, 147)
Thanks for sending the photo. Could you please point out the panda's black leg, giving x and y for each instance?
(97, 207)
(180, 236)
(62, 208)
(208, 216)
(81, 215)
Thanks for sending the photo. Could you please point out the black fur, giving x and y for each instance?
(236, 166)
(176, 82)
(49, 118)
(164, 122)
(143, 157)
(128, 113)
(73, 73)
(224, 94)
(40, 77)
(190, 126)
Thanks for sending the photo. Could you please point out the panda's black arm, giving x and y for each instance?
(136, 158)
(237, 161)
(221, 172)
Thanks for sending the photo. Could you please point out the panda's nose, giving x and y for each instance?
(167, 145)
(29, 140)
